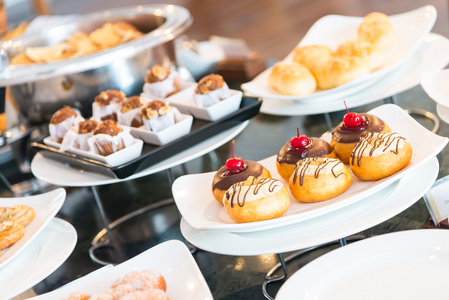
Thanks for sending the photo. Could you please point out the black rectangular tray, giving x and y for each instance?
(152, 154)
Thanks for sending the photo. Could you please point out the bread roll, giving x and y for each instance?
(377, 29)
(292, 79)
(364, 50)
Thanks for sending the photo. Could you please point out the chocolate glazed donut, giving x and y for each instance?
(273, 183)
(290, 155)
(343, 134)
(223, 179)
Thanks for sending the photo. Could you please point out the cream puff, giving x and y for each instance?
(298, 148)
(256, 199)
(292, 79)
(319, 179)
(377, 29)
(348, 132)
(378, 155)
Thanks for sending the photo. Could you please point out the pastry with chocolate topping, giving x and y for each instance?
(300, 147)
(353, 127)
(61, 121)
(129, 113)
(158, 115)
(235, 170)
(109, 138)
(379, 155)
(106, 104)
(319, 179)
(160, 83)
(77, 136)
(87, 126)
(256, 199)
(210, 90)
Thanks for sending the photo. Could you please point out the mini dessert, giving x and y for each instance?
(319, 179)
(378, 155)
(78, 135)
(129, 113)
(363, 50)
(300, 147)
(109, 138)
(235, 170)
(22, 214)
(160, 83)
(10, 233)
(348, 133)
(62, 120)
(292, 79)
(106, 104)
(158, 115)
(210, 90)
(255, 200)
(377, 29)
(142, 280)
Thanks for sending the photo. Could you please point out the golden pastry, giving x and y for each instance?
(18, 213)
(292, 79)
(10, 233)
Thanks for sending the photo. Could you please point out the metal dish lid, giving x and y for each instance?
(176, 20)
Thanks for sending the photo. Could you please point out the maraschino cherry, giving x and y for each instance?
(299, 140)
(235, 164)
(352, 119)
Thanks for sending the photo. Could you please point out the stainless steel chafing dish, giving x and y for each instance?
(42, 88)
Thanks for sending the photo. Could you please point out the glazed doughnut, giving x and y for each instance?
(319, 179)
(289, 155)
(255, 200)
(345, 138)
(377, 29)
(142, 280)
(379, 155)
(154, 294)
(364, 50)
(292, 79)
(10, 233)
(22, 214)
(224, 178)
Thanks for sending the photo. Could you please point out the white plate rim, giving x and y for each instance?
(207, 219)
(385, 244)
(46, 206)
(432, 81)
(45, 254)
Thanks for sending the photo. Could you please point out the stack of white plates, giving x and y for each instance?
(436, 85)
(47, 243)
(419, 51)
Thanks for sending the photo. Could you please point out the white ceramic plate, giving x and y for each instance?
(193, 195)
(41, 258)
(330, 227)
(402, 265)
(436, 85)
(167, 135)
(443, 112)
(172, 259)
(433, 54)
(185, 102)
(115, 159)
(332, 30)
(46, 207)
(59, 173)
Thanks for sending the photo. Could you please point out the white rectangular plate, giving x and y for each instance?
(115, 159)
(185, 102)
(332, 30)
(193, 195)
(172, 259)
(46, 207)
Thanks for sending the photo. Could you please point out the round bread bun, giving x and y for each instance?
(364, 50)
(255, 200)
(288, 156)
(319, 179)
(292, 79)
(343, 148)
(379, 155)
(223, 179)
(312, 56)
(340, 70)
(377, 29)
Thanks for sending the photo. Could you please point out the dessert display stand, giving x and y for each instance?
(340, 226)
(58, 173)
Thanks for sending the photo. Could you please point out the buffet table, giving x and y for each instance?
(235, 265)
